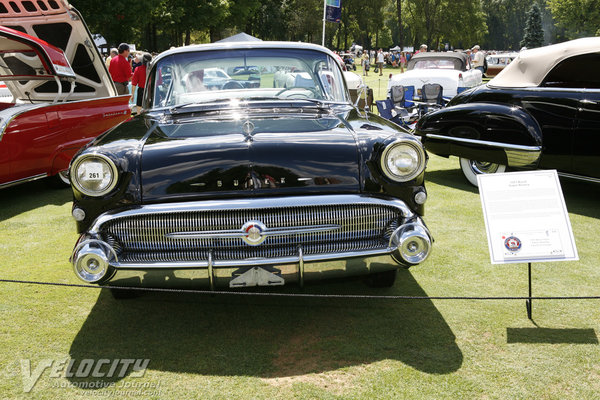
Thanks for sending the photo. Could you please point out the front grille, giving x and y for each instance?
(142, 237)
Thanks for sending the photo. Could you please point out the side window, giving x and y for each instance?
(579, 72)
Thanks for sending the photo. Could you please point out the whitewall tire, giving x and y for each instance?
(471, 169)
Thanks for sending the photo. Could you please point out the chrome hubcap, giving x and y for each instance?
(484, 167)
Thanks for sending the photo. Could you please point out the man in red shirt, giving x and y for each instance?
(120, 69)
(139, 81)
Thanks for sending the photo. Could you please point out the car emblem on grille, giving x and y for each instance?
(253, 233)
(248, 128)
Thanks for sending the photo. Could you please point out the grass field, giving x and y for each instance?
(245, 347)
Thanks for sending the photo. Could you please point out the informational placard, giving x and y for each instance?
(526, 218)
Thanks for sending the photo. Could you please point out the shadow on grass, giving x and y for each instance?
(18, 199)
(451, 177)
(550, 335)
(270, 336)
(581, 197)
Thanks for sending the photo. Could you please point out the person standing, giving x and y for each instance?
(380, 61)
(402, 61)
(113, 53)
(120, 69)
(422, 49)
(137, 61)
(139, 80)
(366, 64)
(478, 58)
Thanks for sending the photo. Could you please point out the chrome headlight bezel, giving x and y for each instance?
(99, 158)
(411, 145)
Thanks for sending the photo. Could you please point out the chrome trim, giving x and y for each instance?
(24, 180)
(247, 204)
(195, 278)
(138, 235)
(578, 177)
(211, 274)
(300, 266)
(519, 156)
(252, 261)
(241, 233)
(485, 143)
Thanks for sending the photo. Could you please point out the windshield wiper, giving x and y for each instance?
(197, 104)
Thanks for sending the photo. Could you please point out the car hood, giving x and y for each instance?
(220, 157)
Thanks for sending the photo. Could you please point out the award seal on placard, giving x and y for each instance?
(512, 243)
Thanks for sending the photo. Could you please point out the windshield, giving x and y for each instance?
(278, 74)
(440, 63)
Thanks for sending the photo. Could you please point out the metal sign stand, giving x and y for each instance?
(528, 303)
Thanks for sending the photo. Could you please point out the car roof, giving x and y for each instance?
(531, 66)
(459, 58)
(243, 46)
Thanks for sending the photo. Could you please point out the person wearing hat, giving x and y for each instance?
(423, 48)
(120, 69)
(478, 58)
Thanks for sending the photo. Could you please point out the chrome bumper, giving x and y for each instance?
(96, 261)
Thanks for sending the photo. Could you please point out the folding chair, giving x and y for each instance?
(388, 111)
(432, 98)
(402, 97)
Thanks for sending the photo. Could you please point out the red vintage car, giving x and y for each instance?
(62, 94)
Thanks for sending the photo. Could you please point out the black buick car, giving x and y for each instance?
(242, 186)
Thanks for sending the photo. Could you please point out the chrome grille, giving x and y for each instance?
(142, 237)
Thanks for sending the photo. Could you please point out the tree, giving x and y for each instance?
(534, 33)
(435, 21)
(578, 18)
(506, 23)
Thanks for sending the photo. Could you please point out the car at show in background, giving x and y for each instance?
(497, 62)
(61, 95)
(453, 71)
(542, 111)
(249, 186)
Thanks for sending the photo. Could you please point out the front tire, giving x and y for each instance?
(472, 168)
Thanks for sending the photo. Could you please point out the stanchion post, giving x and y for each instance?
(528, 303)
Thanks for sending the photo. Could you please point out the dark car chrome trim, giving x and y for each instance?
(251, 261)
(579, 177)
(519, 156)
(486, 143)
(240, 233)
(254, 203)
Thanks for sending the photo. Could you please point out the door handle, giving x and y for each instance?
(586, 101)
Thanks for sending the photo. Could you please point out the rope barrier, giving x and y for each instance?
(306, 295)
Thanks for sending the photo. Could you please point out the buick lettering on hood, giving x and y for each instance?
(241, 182)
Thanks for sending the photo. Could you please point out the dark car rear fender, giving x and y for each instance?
(498, 133)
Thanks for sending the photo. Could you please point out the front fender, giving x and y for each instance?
(487, 132)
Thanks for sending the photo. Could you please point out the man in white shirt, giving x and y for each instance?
(380, 61)
(478, 58)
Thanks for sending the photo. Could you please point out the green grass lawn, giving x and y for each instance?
(246, 347)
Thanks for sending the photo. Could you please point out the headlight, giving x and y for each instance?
(94, 174)
(403, 160)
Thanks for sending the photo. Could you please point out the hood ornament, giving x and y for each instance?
(248, 128)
